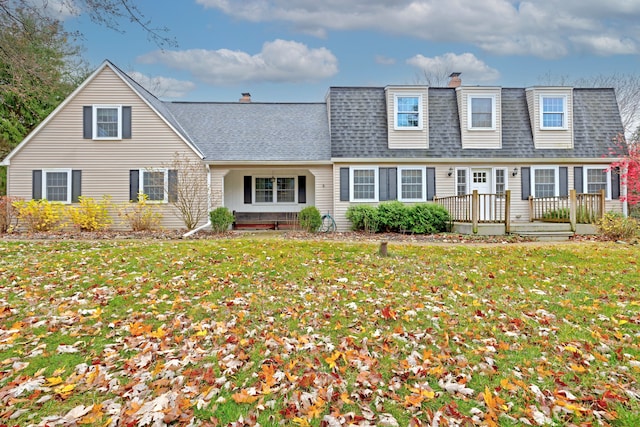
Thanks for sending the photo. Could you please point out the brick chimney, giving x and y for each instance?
(455, 80)
(246, 97)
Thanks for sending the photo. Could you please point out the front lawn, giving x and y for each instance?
(240, 332)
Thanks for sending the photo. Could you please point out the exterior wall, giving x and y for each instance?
(323, 189)
(479, 138)
(545, 138)
(105, 164)
(407, 138)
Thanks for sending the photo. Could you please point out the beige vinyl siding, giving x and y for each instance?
(550, 138)
(323, 189)
(409, 139)
(479, 138)
(105, 165)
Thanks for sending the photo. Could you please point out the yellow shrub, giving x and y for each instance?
(40, 215)
(90, 215)
(141, 215)
(614, 226)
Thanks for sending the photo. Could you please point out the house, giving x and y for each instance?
(362, 145)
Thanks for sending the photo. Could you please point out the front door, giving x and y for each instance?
(481, 181)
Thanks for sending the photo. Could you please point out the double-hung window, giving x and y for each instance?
(411, 184)
(482, 112)
(596, 179)
(553, 112)
(107, 122)
(545, 182)
(275, 190)
(154, 184)
(408, 112)
(56, 185)
(364, 184)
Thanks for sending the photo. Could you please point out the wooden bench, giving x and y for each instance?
(265, 220)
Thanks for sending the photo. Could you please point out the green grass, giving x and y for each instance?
(295, 331)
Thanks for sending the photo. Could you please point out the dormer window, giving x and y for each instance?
(553, 112)
(482, 112)
(408, 112)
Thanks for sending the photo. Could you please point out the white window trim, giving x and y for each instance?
(274, 190)
(376, 191)
(395, 111)
(44, 184)
(95, 122)
(556, 179)
(470, 115)
(165, 197)
(423, 170)
(467, 177)
(565, 114)
(495, 180)
(608, 182)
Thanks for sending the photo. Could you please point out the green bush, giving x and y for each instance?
(556, 215)
(221, 219)
(392, 216)
(427, 218)
(310, 219)
(363, 217)
(614, 226)
(40, 215)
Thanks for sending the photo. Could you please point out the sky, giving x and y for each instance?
(294, 50)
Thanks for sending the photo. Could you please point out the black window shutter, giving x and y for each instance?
(564, 181)
(302, 189)
(173, 186)
(134, 185)
(126, 122)
(36, 185)
(615, 183)
(525, 180)
(577, 179)
(393, 183)
(344, 184)
(431, 183)
(383, 184)
(87, 122)
(76, 185)
(247, 190)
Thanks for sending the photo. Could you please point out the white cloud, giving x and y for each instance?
(544, 28)
(163, 87)
(279, 61)
(473, 70)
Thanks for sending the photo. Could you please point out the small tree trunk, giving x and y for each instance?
(383, 249)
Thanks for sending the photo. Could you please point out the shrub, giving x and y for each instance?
(40, 215)
(427, 218)
(614, 226)
(221, 218)
(90, 215)
(8, 214)
(310, 219)
(363, 217)
(556, 215)
(140, 216)
(392, 216)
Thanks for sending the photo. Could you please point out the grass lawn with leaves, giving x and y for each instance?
(318, 333)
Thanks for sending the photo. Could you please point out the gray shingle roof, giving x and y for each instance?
(256, 131)
(359, 126)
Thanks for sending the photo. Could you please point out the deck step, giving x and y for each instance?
(543, 231)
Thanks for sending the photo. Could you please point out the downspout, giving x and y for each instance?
(623, 191)
(208, 223)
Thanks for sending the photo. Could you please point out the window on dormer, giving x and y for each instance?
(482, 112)
(408, 112)
(553, 110)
